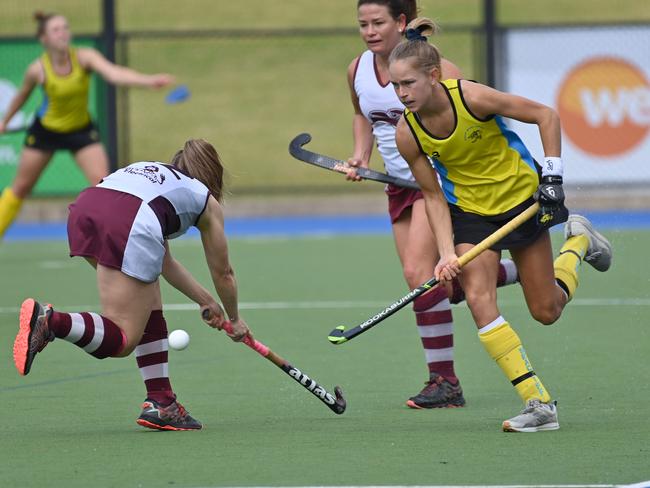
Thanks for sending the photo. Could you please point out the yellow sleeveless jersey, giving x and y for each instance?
(65, 98)
(484, 167)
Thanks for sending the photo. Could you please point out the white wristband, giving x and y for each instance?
(552, 166)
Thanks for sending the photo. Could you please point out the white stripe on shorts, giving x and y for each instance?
(155, 371)
(151, 347)
(98, 337)
(436, 355)
(77, 328)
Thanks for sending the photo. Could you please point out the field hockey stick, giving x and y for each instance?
(340, 335)
(336, 403)
(302, 154)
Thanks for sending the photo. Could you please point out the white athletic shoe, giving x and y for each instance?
(535, 417)
(599, 253)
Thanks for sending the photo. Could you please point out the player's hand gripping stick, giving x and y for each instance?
(297, 150)
(341, 335)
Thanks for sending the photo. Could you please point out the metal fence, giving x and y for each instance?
(255, 85)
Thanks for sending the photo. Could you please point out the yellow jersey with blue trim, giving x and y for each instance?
(65, 97)
(484, 167)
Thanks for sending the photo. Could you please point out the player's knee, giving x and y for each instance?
(130, 343)
(21, 189)
(479, 299)
(545, 313)
(413, 275)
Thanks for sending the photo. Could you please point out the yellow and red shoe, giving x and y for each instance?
(33, 334)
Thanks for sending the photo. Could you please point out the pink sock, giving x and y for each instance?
(436, 328)
(151, 355)
(95, 334)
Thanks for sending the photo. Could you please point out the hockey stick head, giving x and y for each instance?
(299, 141)
(340, 404)
(337, 336)
(297, 150)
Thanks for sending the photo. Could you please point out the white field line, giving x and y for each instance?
(352, 304)
(643, 484)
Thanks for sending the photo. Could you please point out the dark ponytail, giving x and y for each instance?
(42, 19)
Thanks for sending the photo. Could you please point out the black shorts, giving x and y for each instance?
(470, 228)
(38, 137)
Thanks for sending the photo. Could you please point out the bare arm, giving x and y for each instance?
(485, 101)
(93, 60)
(32, 77)
(361, 128)
(180, 278)
(434, 200)
(216, 254)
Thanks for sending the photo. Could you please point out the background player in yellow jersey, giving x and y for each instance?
(62, 121)
(376, 111)
(487, 177)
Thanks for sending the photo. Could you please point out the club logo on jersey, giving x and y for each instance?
(150, 172)
(604, 104)
(390, 116)
(473, 134)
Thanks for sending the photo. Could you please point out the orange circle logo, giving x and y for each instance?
(604, 104)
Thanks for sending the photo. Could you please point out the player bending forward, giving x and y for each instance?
(121, 226)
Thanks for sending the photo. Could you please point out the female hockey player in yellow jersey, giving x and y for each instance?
(62, 121)
(488, 177)
(376, 111)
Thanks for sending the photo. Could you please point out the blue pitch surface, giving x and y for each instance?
(296, 226)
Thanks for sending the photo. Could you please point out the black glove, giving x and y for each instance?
(550, 196)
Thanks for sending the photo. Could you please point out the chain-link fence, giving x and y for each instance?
(262, 71)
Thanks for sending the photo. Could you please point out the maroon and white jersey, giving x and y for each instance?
(380, 105)
(175, 199)
(123, 222)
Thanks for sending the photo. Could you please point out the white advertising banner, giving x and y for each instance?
(597, 80)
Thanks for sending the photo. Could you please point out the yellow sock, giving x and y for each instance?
(567, 263)
(9, 207)
(504, 346)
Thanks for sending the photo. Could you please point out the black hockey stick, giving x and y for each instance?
(336, 403)
(299, 152)
(341, 335)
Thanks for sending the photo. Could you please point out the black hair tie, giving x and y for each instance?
(415, 35)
